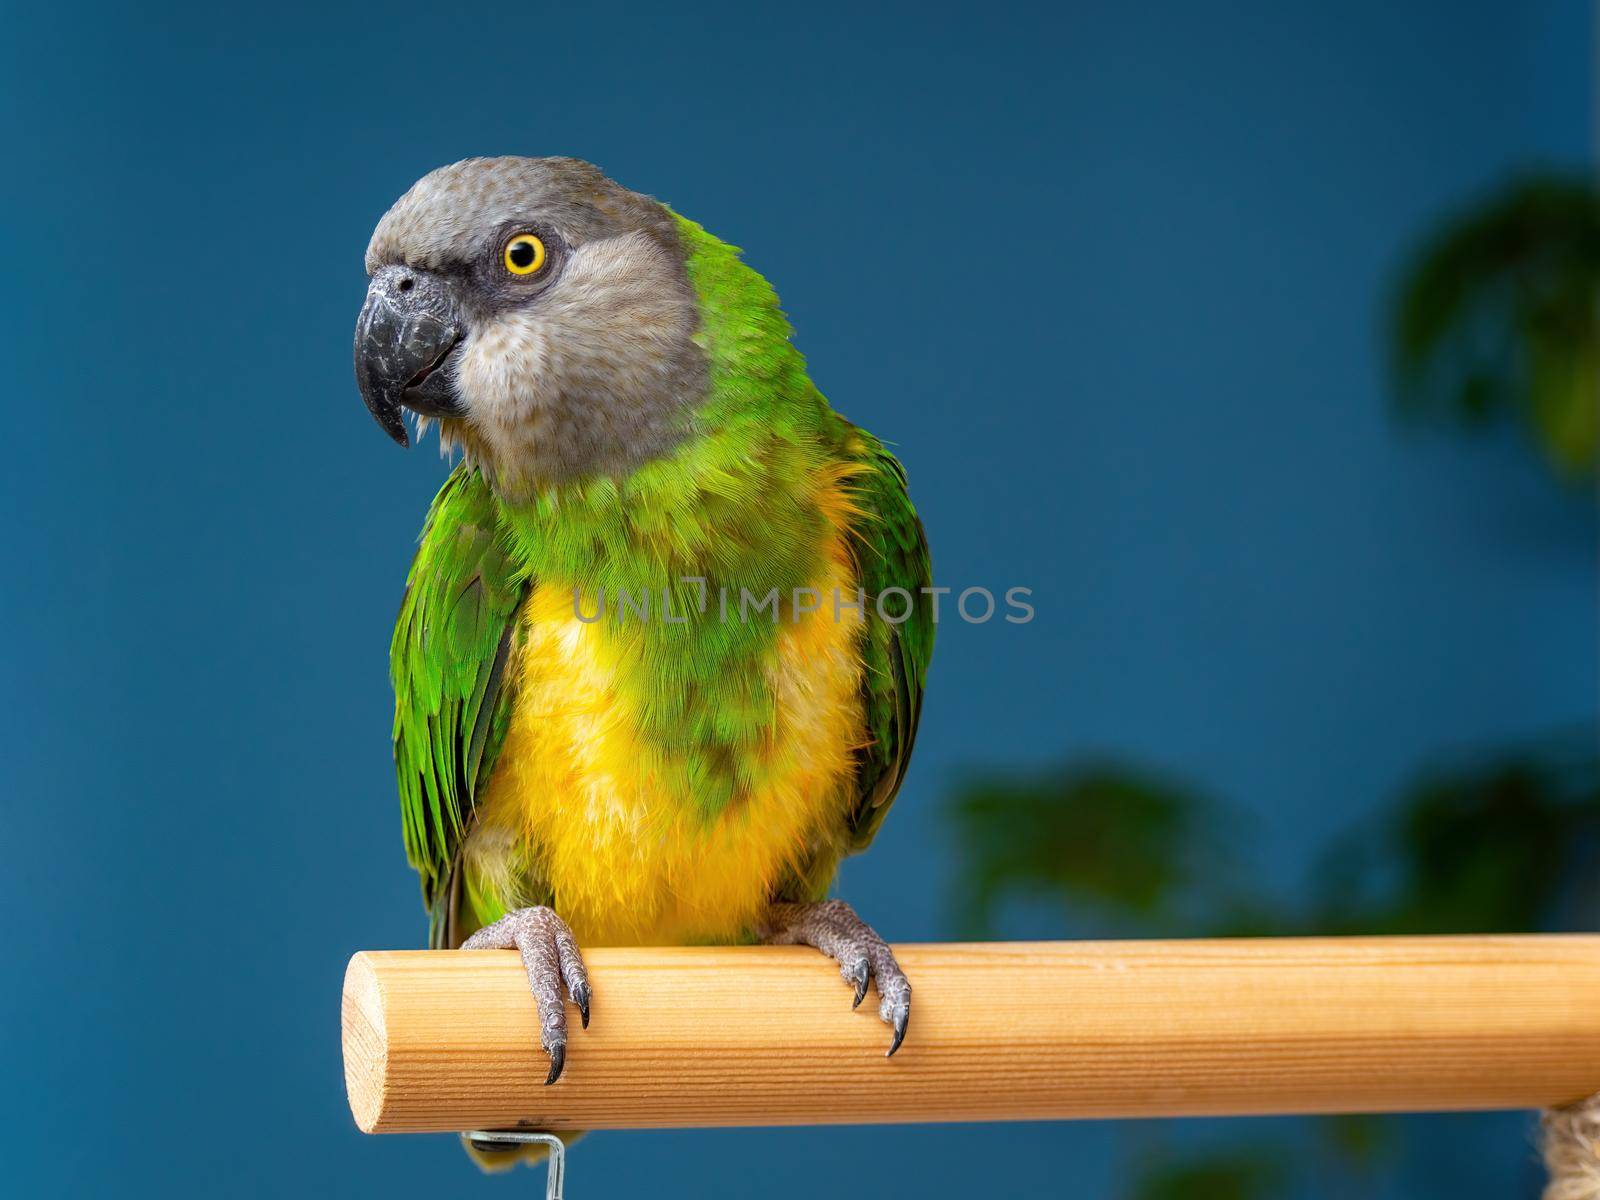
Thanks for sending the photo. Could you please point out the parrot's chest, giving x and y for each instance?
(591, 809)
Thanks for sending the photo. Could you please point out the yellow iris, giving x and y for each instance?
(524, 254)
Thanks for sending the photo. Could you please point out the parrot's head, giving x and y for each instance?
(539, 312)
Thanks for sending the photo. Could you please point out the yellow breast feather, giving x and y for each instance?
(574, 810)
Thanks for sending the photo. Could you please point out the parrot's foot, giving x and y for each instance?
(550, 956)
(862, 955)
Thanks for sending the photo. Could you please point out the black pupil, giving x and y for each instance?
(522, 254)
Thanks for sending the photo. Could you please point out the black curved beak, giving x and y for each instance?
(407, 330)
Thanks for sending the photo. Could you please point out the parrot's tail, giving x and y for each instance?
(494, 1157)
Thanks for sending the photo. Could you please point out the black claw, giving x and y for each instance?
(861, 976)
(558, 1059)
(581, 999)
(900, 1022)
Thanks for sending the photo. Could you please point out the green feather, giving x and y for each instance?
(449, 650)
(897, 652)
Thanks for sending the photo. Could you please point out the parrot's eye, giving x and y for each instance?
(524, 255)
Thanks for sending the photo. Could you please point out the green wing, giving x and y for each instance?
(891, 552)
(446, 662)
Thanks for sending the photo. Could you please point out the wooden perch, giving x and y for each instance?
(1005, 1031)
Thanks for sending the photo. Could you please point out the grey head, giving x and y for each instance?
(539, 312)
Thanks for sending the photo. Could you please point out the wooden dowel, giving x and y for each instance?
(1004, 1031)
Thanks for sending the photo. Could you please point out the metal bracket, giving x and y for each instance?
(555, 1162)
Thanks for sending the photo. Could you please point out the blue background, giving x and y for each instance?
(1108, 274)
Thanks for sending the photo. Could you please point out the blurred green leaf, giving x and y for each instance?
(1223, 1175)
(1491, 846)
(1498, 314)
(1120, 840)
(1359, 1140)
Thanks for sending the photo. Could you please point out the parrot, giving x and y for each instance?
(630, 425)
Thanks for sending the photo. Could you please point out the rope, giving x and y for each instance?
(1571, 1139)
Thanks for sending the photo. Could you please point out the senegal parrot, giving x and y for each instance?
(661, 654)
